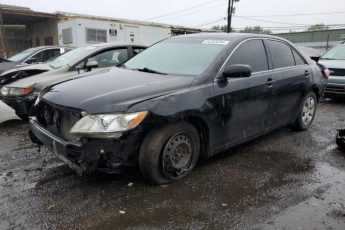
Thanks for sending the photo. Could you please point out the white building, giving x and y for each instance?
(79, 30)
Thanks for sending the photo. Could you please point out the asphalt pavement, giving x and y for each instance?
(283, 180)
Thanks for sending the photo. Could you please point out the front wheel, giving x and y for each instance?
(169, 153)
(307, 113)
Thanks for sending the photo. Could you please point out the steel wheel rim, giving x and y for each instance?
(308, 111)
(178, 156)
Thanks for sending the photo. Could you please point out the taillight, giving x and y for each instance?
(326, 73)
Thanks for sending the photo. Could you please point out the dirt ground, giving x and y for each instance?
(284, 180)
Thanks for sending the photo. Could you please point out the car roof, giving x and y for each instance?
(227, 36)
(48, 47)
(108, 45)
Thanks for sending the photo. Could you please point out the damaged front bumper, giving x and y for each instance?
(22, 105)
(86, 155)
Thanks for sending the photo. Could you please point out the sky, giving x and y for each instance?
(203, 13)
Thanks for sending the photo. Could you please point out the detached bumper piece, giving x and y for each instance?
(341, 139)
(22, 106)
(87, 156)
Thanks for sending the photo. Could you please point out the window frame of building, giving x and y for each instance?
(97, 40)
(67, 38)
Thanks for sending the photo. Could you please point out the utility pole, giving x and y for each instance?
(229, 17)
(230, 12)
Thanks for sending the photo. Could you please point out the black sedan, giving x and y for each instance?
(184, 98)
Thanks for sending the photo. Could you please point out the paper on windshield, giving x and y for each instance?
(215, 42)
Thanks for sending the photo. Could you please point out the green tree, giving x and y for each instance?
(221, 28)
(318, 27)
(255, 30)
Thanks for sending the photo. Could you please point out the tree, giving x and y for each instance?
(255, 30)
(318, 27)
(222, 28)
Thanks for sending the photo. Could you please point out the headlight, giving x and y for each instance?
(9, 91)
(107, 125)
(5, 91)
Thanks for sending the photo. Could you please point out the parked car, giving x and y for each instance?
(21, 94)
(31, 56)
(184, 98)
(334, 60)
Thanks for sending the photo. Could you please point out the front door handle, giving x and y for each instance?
(270, 82)
(306, 73)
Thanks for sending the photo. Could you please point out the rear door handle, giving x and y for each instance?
(270, 82)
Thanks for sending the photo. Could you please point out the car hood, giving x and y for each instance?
(4, 66)
(114, 90)
(43, 80)
(333, 64)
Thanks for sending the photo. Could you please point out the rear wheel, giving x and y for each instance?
(169, 153)
(307, 113)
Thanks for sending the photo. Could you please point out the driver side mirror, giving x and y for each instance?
(31, 61)
(237, 71)
(91, 64)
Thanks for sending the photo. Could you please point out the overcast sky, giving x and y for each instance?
(200, 13)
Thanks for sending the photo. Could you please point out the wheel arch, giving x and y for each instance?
(316, 90)
(204, 132)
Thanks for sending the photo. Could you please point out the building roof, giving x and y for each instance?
(67, 15)
(14, 15)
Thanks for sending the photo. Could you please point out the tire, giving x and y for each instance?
(169, 153)
(307, 112)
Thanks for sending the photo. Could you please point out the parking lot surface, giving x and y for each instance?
(283, 180)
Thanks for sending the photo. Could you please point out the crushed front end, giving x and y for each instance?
(50, 126)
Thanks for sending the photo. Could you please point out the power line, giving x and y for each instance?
(331, 26)
(193, 12)
(182, 10)
(211, 22)
(293, 15)
(259, 20)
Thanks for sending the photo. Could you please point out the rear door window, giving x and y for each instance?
(281, 54)
(298, 59)
(251, 53)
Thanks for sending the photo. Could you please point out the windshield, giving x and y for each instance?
(71, 57)
(337, 53)
(20, 57)
(176, 57)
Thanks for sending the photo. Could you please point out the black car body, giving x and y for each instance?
(196, 96)
(64, 67)
(28, 57)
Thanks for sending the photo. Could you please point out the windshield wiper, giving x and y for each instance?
(327, 58)
(147, 70)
